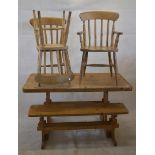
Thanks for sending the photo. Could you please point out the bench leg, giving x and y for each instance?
(47, 102)
(46, 136)
(108, 133)
(43, 140)
(105, 101)
(113, 137)
(113, 120)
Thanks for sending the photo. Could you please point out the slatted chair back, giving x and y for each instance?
(51, 34)
(48, 30)
(98, 28)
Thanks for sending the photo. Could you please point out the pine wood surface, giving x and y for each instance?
(98, 49)
(76, 108)
(92, 82)
(77, 125)
(104, 38)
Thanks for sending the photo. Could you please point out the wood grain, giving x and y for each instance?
(77, 125)
(76, 109)
(99, 15)
(92, 82)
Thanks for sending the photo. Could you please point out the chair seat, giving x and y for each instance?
(52, 47)
(99, 49)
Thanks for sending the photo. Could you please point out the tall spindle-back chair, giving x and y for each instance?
(99, 35)
(51, 34)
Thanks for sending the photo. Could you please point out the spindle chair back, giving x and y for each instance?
(51, 34)
(98, 35)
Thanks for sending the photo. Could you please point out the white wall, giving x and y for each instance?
(28, 54)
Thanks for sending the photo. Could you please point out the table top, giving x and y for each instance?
(92, 82)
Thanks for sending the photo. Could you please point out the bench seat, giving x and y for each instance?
(76, 109)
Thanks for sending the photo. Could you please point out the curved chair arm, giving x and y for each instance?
(81, 38)
(117, 38)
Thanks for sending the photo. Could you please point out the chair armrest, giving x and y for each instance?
(81, 38)
(117, 38)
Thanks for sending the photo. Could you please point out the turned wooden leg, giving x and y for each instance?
(48, 101)
(61, 66)
(86, 59)
(41, 126)
(108, 133)
(46, 136)
(43, 140)
(39, 64)
(113, 137)
(115, 67)
(105, 101)
(58, 62)
(110, 62)
(82, 66)
(113, 120)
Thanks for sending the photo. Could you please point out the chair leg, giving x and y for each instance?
(58, 61)
(83, 65)
(44, 62)
(113, 137)
(64, 61)
(110, 62)
(86, 59)
(81, 69)
(68, 62)
(115, 67)
(39, 61)
(60, 57)
(43, 140)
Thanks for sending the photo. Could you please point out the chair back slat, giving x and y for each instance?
(89, 33)
(40, 29)
(112, 34)
(107, 36)
(45, 34)
(57, 35)
(102, 23)
(84, 34)
(95, 35)
(51, 34)
(101, 35)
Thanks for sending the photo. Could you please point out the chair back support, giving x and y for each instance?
(98, 28)
(48, 30)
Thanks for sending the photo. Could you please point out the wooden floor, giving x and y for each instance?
(92, 82)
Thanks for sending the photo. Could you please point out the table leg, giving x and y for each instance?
(113, 120)
(104, 117)
(104, 101)
(49, 119)
(48, 101)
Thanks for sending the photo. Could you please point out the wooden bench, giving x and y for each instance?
(111, 110)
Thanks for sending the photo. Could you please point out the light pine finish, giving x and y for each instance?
(76, 126)
(76, 109)
(104, 42)
(93, 82)
(45, 127)
(51, 36)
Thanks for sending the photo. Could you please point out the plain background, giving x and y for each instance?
(27, 54)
